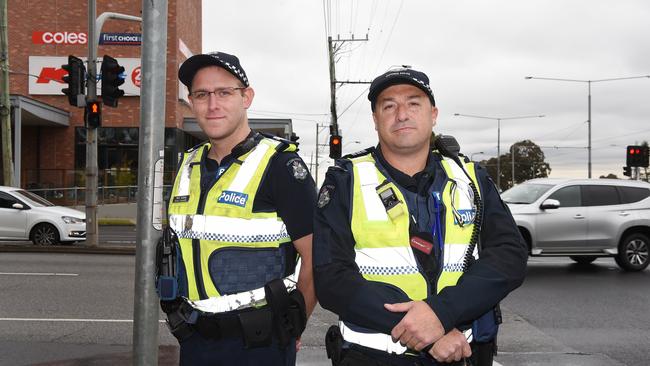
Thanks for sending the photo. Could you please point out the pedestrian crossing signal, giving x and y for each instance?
(93, 114)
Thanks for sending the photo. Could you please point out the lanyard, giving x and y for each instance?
(436, 229)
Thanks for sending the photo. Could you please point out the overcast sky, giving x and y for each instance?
(476, 54)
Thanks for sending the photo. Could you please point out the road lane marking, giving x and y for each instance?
(37, 274)
(71, 320)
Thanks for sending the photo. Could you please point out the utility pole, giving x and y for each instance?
(150, 180)
(319, 127)
(334, 46)
(91, 134)
(317, 147)
(94, 27)
(5, 107)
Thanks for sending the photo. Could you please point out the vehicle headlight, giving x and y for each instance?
(71, 220)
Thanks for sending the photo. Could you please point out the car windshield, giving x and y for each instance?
(525, 193)
(34, 199)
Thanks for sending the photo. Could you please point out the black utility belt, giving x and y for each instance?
(282, 318)
(254, 326)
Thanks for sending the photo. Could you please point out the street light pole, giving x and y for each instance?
(512, 154)
(471, 156)
(498, 119)
(588, 105)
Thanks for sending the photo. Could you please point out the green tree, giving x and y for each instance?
(529, 163)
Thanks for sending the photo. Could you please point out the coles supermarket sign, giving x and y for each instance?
(45, 37)
(47, 75)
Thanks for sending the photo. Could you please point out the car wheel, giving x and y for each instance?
(633, 252)
(583, 259)
(44, 234)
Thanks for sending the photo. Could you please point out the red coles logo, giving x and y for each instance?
(59, 38)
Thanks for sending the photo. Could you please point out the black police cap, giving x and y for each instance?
(399, 76)
(192, 65)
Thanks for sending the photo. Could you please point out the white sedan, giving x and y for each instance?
(27, 216)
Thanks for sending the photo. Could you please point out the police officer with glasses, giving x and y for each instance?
(240, 214)
(413, 247)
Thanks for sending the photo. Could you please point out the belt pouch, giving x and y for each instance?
(278, 299)
(257, 328)
(297, 313)
(334, 344)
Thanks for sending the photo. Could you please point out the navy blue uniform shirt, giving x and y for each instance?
(342, 289)
(280, 191)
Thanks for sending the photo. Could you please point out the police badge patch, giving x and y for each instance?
(325, 195)
(298, 169)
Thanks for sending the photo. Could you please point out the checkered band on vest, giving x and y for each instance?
(263, 238)
(453, 267)
(387, 271)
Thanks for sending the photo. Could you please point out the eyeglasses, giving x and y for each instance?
(220, 93)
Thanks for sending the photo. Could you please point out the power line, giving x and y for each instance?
(292, 113)
(390, 34)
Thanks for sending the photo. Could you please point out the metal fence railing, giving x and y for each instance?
(76, 196)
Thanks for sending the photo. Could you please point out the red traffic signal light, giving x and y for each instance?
(93, 114)
(637, 155)
(335, 146)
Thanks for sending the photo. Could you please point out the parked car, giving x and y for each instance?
(27, 216)
(584, 219)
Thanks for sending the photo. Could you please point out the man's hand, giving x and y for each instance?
(420, 326)
(298, 344)
(451, 347)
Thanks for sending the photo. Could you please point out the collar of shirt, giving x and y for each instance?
(211, 169)
(418, 182)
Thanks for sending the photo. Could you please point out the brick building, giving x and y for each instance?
(49, 134)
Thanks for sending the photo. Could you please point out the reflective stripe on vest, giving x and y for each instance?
(228, 219)
(239, 301)
(228, 229)
(382, 248)
(186, 174)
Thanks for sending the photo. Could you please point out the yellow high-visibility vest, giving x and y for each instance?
(226, 219)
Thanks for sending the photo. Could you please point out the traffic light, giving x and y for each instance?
(112, 78)
(335, 146)
(93, 114)
(637, 155)
(76, 80)
(627, 171)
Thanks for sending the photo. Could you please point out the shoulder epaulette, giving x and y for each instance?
(277, 138)
(359, 153)
(336, 168)
(196, 147)
(284, 143)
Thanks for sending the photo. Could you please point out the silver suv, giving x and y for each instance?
(584, 219)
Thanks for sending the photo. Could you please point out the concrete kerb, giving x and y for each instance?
(28, 247)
